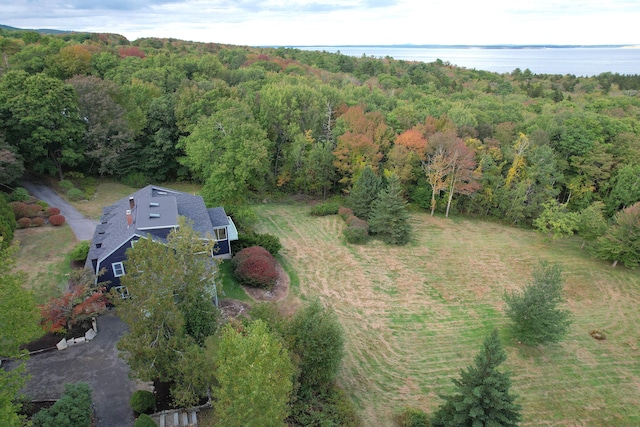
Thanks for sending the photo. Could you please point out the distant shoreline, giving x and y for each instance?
(462, 46)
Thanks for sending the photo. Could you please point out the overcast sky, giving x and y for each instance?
(340, 22)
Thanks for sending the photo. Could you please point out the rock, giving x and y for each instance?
(90, 334)
(79, 340)
(62, 344)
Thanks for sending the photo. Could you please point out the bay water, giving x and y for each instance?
(580, 61)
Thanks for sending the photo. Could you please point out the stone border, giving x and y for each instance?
(88, 336)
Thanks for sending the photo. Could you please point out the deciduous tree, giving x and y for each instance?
(254, 378)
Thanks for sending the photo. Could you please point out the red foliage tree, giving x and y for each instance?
(72, 308)
(131, 51)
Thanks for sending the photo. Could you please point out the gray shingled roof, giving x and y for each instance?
(113, 229)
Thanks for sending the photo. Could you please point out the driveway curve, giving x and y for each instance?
(82, 227)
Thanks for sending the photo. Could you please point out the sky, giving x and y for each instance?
(340, 22)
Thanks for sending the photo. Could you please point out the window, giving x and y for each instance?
(122, 291)
(221, 233)
(118, 269)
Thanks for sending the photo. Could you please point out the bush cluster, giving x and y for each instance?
(81, 251)
(255, 266)
(25, 210)
(357, 230)
(142, 402)
(19, 195)
(72, 410)
(412, 417)
(268, 241)
(56, 220)
(326, 208)
(24, 222)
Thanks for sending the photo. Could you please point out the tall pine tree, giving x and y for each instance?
(364, 192)
(482, 393)
(389, 217)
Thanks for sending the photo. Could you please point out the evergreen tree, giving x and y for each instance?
(389, 217)
(621, 242)
(482, 393)
(364, 192)
(534, 310)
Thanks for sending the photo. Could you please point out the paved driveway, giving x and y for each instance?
(96, 363)
(82, 227)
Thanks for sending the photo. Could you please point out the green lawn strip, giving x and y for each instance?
(230, 287)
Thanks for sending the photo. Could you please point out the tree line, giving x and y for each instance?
(248, 121)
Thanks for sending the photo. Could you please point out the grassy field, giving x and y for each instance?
(44, 258)
(415, 315)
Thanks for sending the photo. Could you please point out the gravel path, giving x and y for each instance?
(82, 227)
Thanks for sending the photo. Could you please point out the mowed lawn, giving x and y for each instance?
(415, 315)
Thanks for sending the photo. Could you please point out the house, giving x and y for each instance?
(152, 212)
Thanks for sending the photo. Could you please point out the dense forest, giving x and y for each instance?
(252, 121)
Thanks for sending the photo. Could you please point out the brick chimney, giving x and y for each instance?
(129, 217)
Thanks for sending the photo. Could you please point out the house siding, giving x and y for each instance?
(119, 255)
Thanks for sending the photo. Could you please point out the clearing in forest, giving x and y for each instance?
(417, 314)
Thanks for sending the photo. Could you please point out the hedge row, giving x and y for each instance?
(357, 230)
(34, 214)
(268, 241)
(255, 266)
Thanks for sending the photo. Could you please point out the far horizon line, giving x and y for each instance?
(462, 46)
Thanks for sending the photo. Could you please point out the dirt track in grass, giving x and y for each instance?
(415, 315)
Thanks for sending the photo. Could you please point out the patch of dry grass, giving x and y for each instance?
(415, 315)
(43, 257)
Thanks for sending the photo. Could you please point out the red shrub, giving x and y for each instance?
(24, 222)
(345, 212)
(249, 252)
(56, 220)
(131, 51)
(53, 211)
(20, 209)
(37, 221)
(255, 266)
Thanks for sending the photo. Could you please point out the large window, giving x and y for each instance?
(221, 233)
(118, 269)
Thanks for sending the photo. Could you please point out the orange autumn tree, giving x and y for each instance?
(366, 139)
(407, 154)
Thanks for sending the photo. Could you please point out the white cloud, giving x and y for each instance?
(331, 22)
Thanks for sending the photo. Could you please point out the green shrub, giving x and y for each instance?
(243, 216)
(142, 402)
(19, 195)
(326, 208)
(412, 417)
(44, 205)
(80, 252)
(357, 231)
(75, 194)
(66, 184)
(144, 420)
(135, 180)
(7, 222)
(72, 410)
(268, 241)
